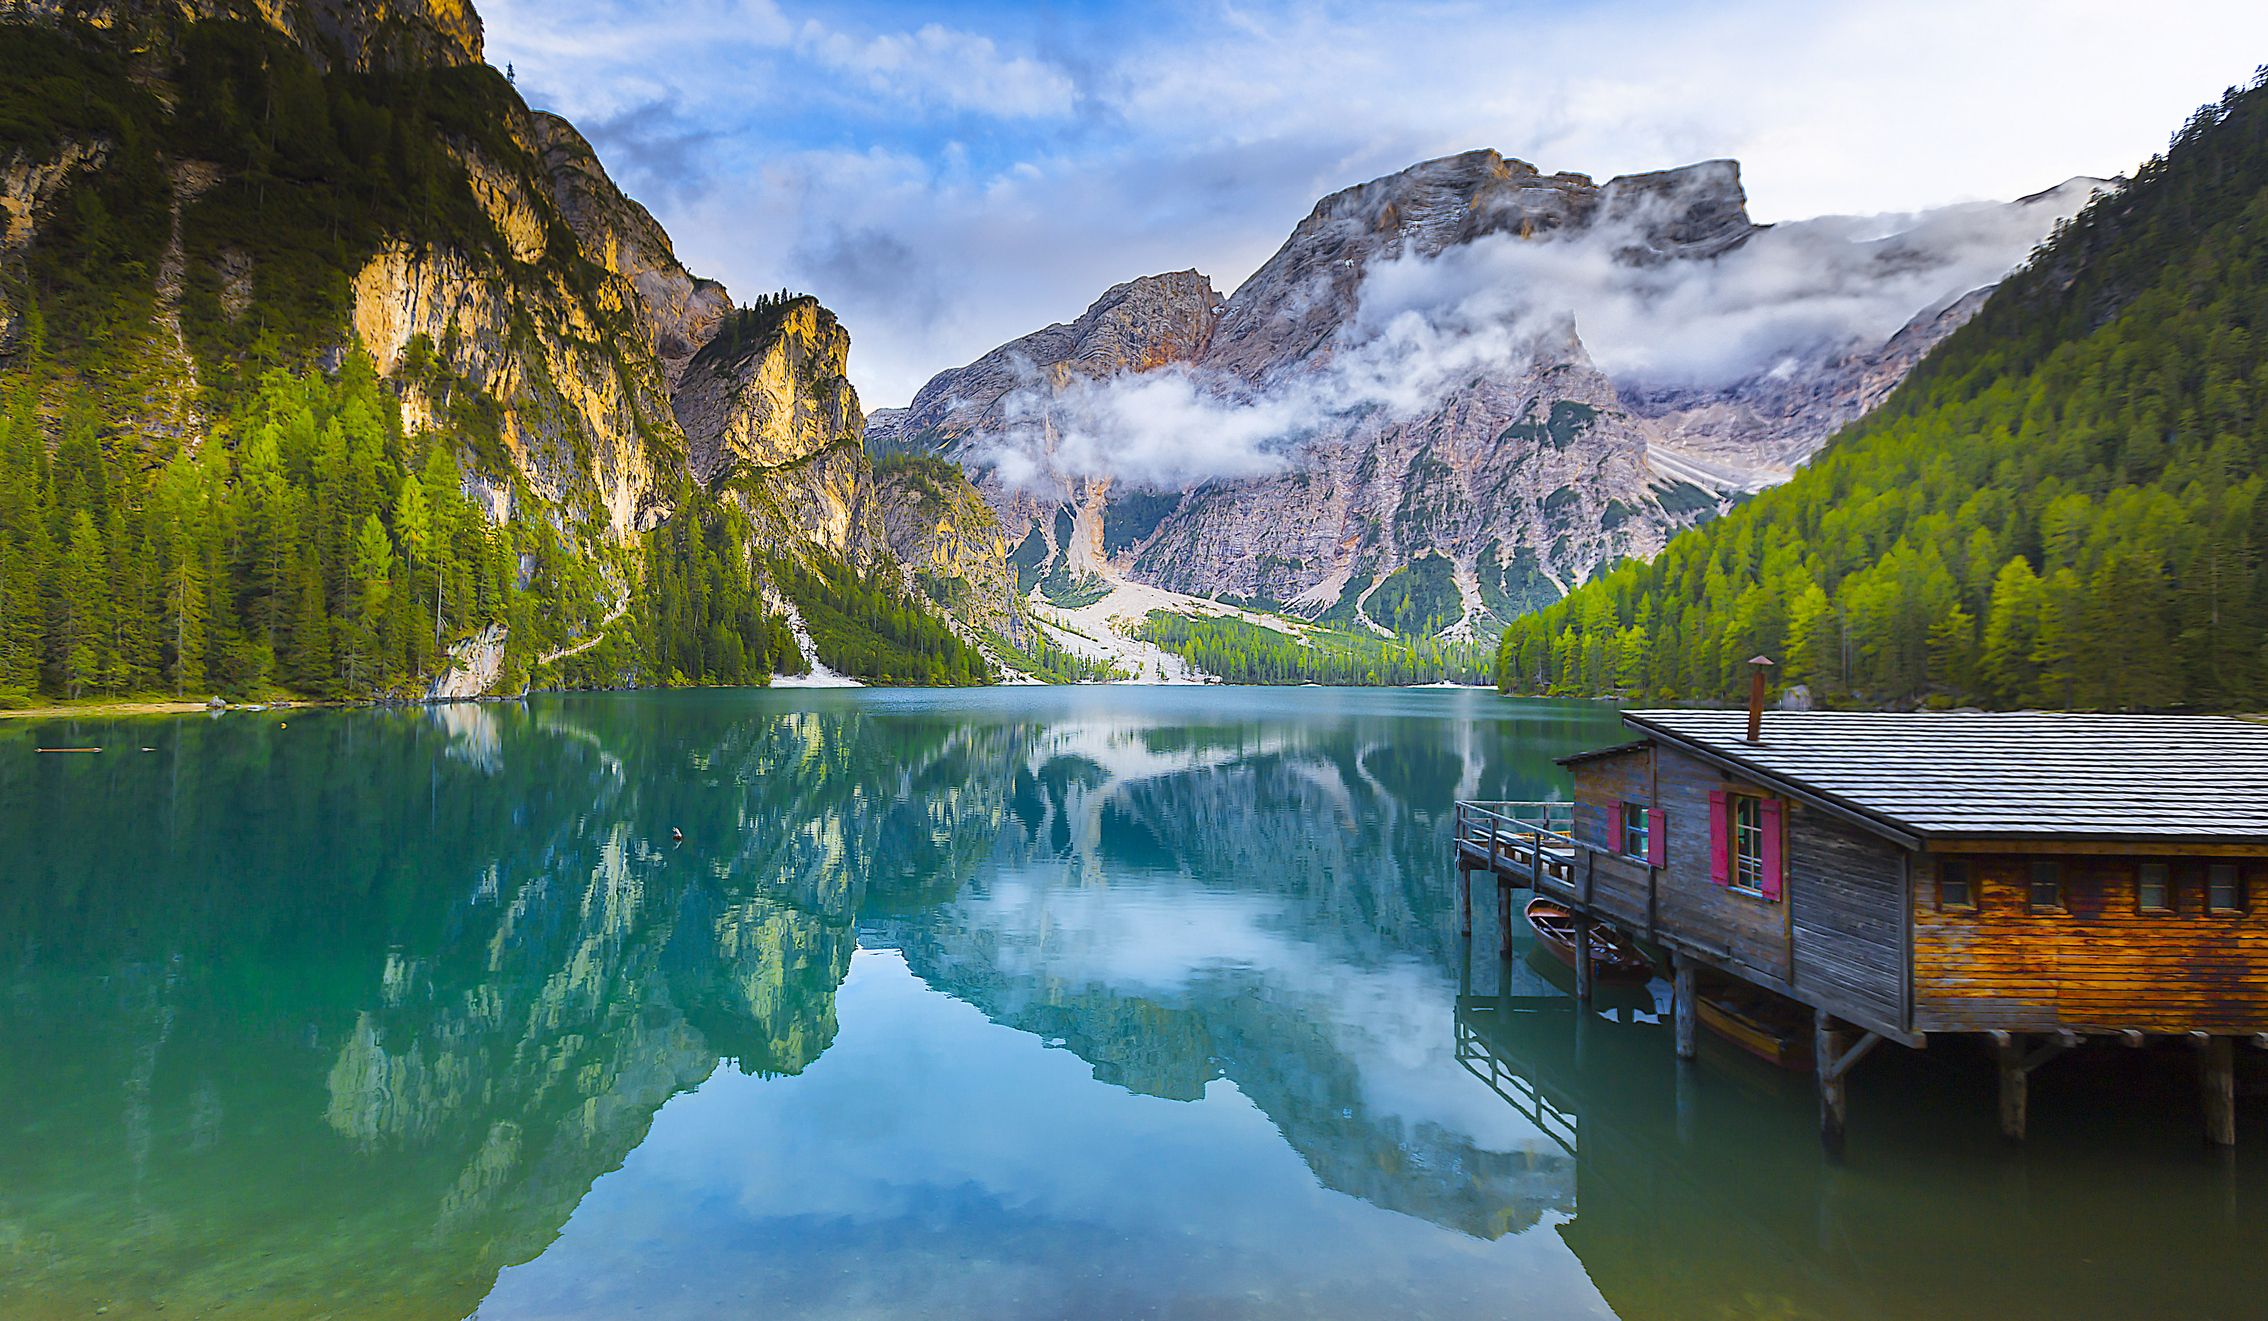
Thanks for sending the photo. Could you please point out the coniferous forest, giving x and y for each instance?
(1244, 652)
(310, 546)
(2062, 506)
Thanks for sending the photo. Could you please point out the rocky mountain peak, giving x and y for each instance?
(1696, 210)
(1140, 325)
(1286, 313)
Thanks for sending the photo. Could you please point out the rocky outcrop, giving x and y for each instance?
(29, 184)
(770, 419)
(575, 418)
(679, 310)
(475, 665)
(942, 529)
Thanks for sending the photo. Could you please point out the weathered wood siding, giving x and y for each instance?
(1715, 920)
(2101, 965)
(1837, 937)
(1613, 885)
(1847, 892)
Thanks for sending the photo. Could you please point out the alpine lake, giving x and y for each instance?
(1065, 1003)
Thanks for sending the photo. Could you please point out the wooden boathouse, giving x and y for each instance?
(2036, 879)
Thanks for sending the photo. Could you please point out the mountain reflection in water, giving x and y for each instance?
(1092, 1002)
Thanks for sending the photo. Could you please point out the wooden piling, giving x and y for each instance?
(1465, 900)
(2015, 1084)
(2216, 1076)
(1827, 1054)
(1584, 973)
(1683, 1009)
(1503, 917)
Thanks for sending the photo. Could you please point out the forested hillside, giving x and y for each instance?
(2061, 507)
(1243, 652)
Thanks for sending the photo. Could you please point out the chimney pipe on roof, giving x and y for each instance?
(1756, 667)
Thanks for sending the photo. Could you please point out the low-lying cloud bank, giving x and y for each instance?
(1488, 311)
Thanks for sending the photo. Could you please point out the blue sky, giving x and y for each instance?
(949, 177)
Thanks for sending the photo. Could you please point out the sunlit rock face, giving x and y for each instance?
(1528, 375)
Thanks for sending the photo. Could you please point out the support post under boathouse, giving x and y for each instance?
(2035, 881)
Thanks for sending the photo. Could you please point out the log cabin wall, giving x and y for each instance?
(2102, 964)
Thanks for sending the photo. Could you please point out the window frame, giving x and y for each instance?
(2236, 874)
(1634, 826)
(2053, 869)
(1738, 873)
(1960, 872)
(2172, 893)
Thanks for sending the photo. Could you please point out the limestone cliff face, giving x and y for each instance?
(680, 310)
(575, 419)
(941, 527)
(770, 418)
(1464, 425)
(29, 184)
(1142, 325)
(1288, 315)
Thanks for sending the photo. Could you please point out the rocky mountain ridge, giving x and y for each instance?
(1429, 416)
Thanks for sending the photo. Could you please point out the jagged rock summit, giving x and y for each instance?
(1435, 421)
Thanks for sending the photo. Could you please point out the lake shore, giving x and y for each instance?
(103, 710)
(106, 709)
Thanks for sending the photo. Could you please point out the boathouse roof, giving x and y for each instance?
(2014, 775)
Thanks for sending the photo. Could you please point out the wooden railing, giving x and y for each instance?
(1536, 838)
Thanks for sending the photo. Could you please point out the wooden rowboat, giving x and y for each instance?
(1612, 955)
(1772, 1030)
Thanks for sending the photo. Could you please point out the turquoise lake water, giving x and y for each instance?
(1008, 1003)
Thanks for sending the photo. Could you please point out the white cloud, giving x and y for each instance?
(938, 66)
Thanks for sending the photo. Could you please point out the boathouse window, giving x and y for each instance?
(1746, 851)
(1956, 889)
(2224, 888)
(2153, 887)
(2046, 891)
(1748, 843)
(1634, 834)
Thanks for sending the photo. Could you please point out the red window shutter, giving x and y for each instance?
(1720, 839)
(1616, 834)
(1775, 861)
(1657, 838)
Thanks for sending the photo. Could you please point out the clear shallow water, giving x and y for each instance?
(1099, 1002)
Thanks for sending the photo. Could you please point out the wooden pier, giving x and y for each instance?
(2036, 882)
